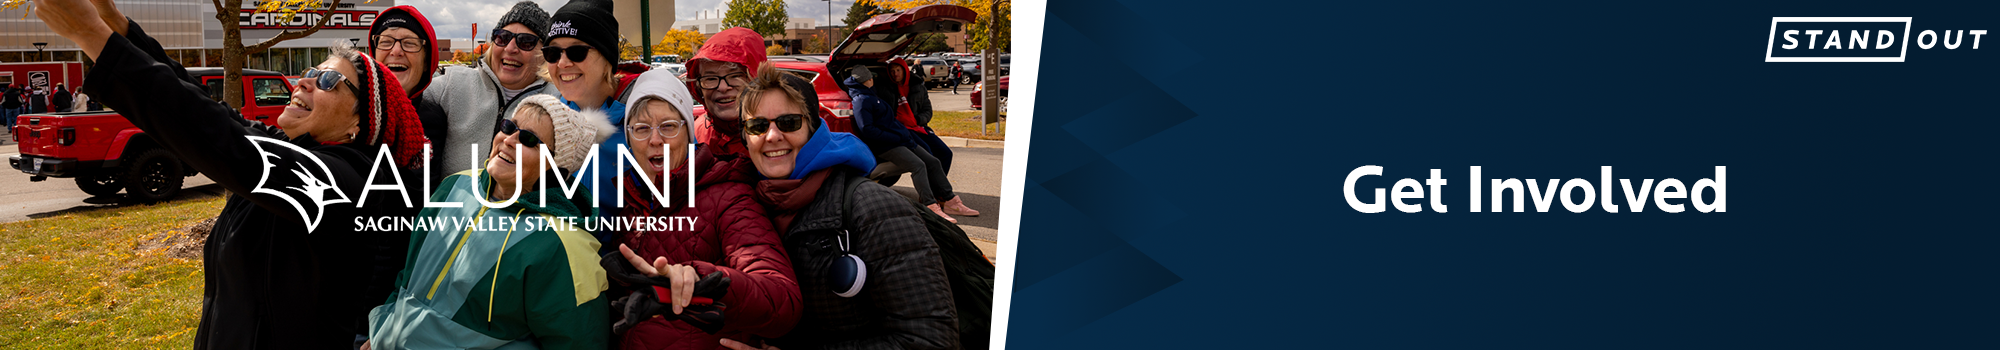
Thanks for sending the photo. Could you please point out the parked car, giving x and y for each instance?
(833, 101)
(969, 74)
(971, 66)
(935, 71)
(799, 58)
(872, 44)
(106, 153)
(677, 68)
(882, 37)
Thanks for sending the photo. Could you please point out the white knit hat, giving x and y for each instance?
(576, 130)
(664, 85)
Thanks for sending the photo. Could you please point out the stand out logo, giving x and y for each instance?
(314, 189)
(1856, 39)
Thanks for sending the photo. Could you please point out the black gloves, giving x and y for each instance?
(652, 298)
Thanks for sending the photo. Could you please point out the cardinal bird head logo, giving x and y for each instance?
(308, 187)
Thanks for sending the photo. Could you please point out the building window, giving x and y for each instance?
(318, 55)
(214, 58)
(262, 59)
(300, 60)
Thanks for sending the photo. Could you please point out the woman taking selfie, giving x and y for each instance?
(281, 262)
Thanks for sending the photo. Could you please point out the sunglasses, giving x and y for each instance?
(521, 41)
(528, 138)
(786, 123)
(576, 53)
(326, 78)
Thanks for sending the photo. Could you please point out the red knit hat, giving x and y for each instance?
(389, 119)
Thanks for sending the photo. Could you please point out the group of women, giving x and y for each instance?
(789, 248)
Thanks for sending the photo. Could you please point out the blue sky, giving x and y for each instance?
(453, 18)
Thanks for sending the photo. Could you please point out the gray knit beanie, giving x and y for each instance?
(527, 13)
(861, 74)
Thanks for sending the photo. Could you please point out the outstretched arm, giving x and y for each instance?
(76, 20)
(211, 138)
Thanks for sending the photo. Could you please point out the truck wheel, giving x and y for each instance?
(154, 175)
(103, 183)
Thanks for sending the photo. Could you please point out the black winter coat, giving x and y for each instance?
(269, 282)
(875, 120)
(12, 98)
(60, 101)
(38, 102)
(906, 302)
(920, 99)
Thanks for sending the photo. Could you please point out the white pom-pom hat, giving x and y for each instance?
(575, 130)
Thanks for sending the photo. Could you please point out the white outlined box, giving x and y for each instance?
(1773, 40)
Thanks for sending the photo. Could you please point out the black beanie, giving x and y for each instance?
(400, 19)
(805, 89)
(590, 21)
(529, 14)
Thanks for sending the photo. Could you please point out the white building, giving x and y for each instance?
(710, 26)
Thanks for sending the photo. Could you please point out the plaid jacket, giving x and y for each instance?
(906, 302)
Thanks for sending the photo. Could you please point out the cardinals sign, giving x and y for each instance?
(251, 19)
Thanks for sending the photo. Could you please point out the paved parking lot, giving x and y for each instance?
(21, 199)
(943, 100)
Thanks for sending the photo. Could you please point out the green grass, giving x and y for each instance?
(966, 125)
(81, 280)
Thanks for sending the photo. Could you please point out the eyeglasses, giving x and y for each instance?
(528, 138)
(526, 41)
(786, 123)
(326, 78)
(576, 53)
(712, 82)
(411, 45)
(641, 131)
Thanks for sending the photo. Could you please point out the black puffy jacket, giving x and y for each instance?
(906, 302)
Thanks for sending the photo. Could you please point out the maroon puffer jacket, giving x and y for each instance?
(731, 234)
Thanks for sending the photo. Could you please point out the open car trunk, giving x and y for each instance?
(885, 36)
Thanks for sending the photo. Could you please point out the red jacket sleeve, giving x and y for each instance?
(763, 294)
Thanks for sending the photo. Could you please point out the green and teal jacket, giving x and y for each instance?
(517, 279)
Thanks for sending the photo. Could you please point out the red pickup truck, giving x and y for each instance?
(105, 153)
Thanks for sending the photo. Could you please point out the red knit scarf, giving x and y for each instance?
(786, 197)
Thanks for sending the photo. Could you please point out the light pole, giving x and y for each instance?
(829, 27)
(39, 46)
(646, 31)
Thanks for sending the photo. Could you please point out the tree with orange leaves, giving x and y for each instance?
(975, 37)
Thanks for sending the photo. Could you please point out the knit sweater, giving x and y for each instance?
(473, 103)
